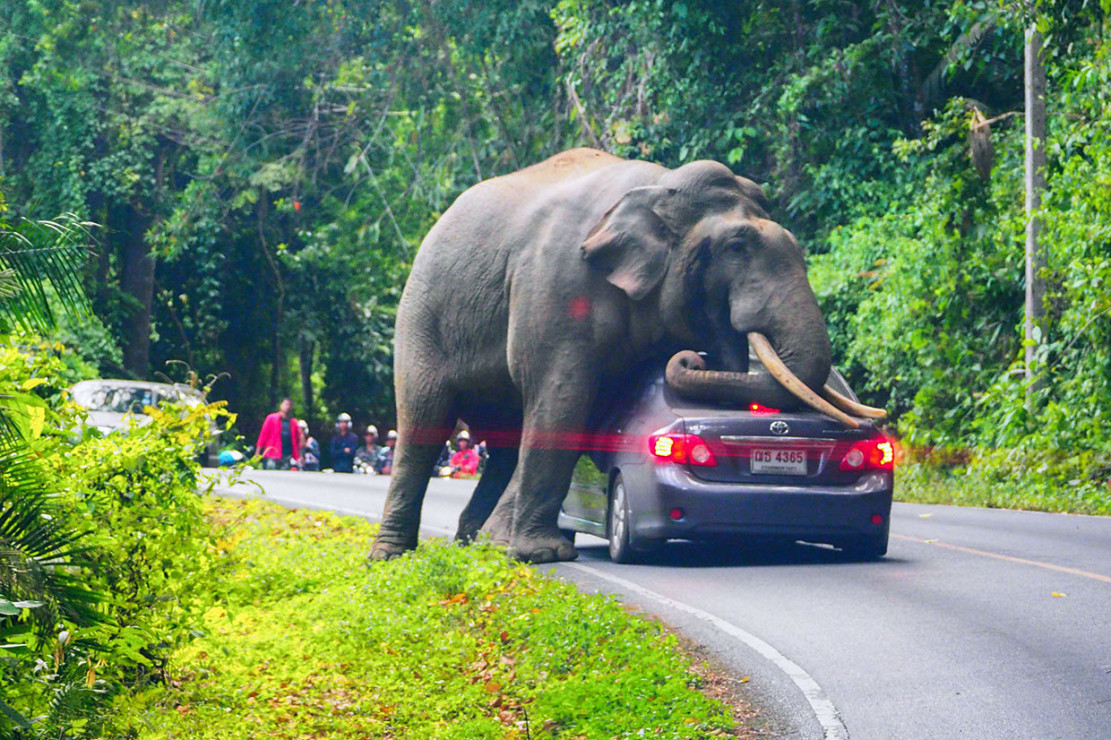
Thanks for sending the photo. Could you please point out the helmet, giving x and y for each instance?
(463, 434)
(371, 430)
(344, 417)
(391, 434)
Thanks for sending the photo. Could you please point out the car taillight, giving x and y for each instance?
(681, 448)
(759, 409)
(877, 453)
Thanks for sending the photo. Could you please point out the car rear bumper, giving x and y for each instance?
(725, 510)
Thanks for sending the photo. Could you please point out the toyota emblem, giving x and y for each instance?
(780, 428)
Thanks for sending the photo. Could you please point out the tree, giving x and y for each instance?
(1034, 324)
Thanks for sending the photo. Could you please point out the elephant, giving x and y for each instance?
(537, 291)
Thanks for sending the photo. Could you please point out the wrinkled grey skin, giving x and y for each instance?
(538, 288)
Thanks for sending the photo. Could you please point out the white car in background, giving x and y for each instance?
(113, 405)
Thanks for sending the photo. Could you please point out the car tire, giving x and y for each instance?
(619, 526)
(866, 547)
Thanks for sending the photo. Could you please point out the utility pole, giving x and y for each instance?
(1035, 184)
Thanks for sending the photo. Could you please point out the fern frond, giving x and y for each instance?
(36, 256)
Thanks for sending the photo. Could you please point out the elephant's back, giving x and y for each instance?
(479, 235)
(560, 167)
(507, 235)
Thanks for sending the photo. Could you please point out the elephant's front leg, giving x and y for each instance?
(526, 515)
(525, 518)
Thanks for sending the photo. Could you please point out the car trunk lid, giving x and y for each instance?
(775, 448)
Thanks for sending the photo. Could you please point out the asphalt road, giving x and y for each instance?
(979, 624)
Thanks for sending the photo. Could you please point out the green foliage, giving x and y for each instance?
(301, 638)
(923, 300)
(37, 257)
(926, 303)
(40, 551)
(102, 535)
(805, 97)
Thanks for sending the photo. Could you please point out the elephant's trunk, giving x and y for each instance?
(792, 344)
(687, 374)
(780, 386)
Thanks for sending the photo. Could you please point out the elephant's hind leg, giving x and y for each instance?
(499, 469)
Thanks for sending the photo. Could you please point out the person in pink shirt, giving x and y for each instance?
(465, 460)
(279, 440)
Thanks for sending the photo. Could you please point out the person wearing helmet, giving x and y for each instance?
(368, 451)
(344, 445)
(464, 462)
(383, 464)
(310, 448)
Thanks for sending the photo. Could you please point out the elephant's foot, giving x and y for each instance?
(542, 548)
(386, 550)
(535, 545)
(467, 532)
(465, 537)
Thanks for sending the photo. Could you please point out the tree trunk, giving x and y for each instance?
(262, 211)
(1035, 183)
(137, 282)
(308, 346)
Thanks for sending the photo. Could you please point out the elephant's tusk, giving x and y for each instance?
(790, 381)
(850, 406)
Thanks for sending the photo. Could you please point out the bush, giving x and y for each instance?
(134, 541)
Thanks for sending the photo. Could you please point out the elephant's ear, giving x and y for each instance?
(632, 243)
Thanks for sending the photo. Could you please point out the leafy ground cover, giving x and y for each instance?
(300, 638)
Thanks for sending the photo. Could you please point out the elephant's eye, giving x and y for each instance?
(743, 240)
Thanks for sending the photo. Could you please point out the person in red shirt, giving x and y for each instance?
(465, 460)
(279, 440)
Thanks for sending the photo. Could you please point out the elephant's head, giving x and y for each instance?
(701, 244)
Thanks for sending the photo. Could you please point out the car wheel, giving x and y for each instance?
(618, 524)
(866, 547)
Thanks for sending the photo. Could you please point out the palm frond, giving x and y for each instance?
(39, 551)
(8, 285)
(934, 83)
(39, 256)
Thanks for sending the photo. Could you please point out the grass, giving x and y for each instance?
(299, 638)
(992, 482)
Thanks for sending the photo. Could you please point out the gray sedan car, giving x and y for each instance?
(667, 468)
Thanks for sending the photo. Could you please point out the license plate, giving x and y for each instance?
(779, 462)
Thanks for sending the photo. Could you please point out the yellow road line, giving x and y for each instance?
(1008, 558)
